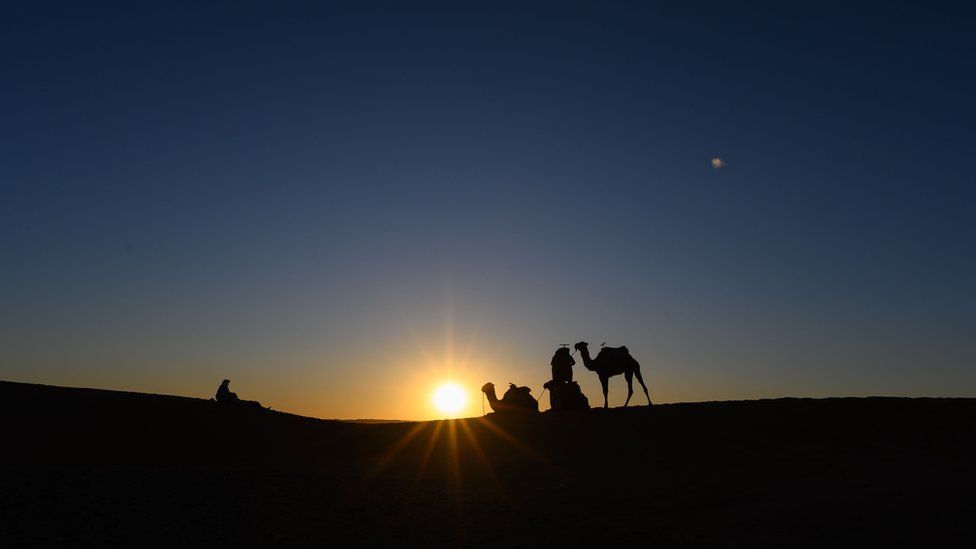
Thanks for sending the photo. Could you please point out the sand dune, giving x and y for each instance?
(105, 467)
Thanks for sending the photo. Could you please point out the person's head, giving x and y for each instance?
(561, 357)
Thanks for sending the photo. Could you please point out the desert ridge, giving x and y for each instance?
(762, 473)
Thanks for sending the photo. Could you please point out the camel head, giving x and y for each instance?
(488, 388)
(581, 346)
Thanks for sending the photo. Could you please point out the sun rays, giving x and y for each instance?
(451, 452)
(445, 383)
(456, 452)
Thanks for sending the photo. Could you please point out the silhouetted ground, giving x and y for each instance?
(90, 467)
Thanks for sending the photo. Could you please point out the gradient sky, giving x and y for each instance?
(338, 205)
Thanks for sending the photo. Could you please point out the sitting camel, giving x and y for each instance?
(566, 396)
(516, 399)
(611, 361)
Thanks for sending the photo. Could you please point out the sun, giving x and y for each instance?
(450, 398)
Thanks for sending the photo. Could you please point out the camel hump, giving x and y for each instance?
(616, 353)
(520, 398)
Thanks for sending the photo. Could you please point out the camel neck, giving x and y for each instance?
(587, 361)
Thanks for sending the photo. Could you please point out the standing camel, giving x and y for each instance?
(611, 361)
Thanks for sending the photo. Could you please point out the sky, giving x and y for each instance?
(340, 205)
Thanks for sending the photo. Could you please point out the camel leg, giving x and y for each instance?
(604, 381)
(630, 387)
(641, 380)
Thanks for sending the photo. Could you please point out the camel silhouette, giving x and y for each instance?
(611, 361)
(566, 396)
(516, 399)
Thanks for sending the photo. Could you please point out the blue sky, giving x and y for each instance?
(338, 204)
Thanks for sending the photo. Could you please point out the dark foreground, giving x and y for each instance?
(107, 468)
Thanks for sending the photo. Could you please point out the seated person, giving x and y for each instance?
(226, 396)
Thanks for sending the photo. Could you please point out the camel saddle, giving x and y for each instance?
(615, 352)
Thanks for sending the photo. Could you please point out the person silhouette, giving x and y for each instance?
(226, 396)
(562, 375)
(562, 365)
